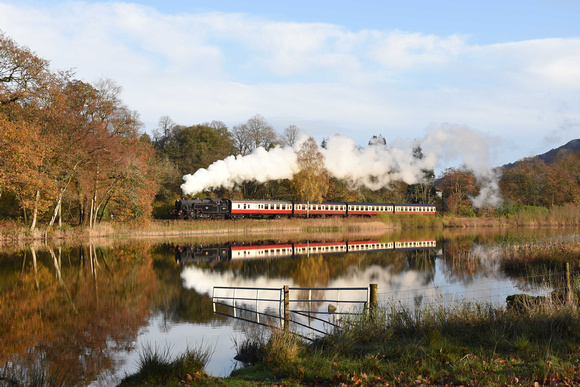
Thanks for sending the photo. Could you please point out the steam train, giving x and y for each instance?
(215, 208)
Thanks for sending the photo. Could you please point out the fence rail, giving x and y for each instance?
(318, 308)
(242, 302)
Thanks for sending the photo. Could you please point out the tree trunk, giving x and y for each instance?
(56, 211)
(35, 211)
(58, 207)
(92, 210)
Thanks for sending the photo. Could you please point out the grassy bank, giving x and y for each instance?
(15, 232)
(473, 345)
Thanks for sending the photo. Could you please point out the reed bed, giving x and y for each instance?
(552, 255)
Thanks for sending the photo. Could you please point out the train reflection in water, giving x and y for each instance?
(271, 249)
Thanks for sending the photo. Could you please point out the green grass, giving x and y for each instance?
(472, 345)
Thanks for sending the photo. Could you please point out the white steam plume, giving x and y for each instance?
(474, 148)
(373, 166)
(261, 166)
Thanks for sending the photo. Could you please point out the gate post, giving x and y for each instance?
(286, 307)
(373, 297)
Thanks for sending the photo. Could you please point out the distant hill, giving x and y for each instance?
(552, 155)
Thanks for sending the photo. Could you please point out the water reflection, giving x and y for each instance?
(84, 311)
(214, 253)
(68, 310)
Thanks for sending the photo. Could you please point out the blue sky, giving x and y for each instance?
(507, 69)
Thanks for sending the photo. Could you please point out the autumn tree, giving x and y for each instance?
(458, 186)
(57, 132)
(312, 181)
(112, 145)
(570, 164)
(21, 71)
(24, 159)
(533, 182)
(25, 142)
(255, 133)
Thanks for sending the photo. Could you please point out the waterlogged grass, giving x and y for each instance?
(473, 345)
(157, 366)
(35, 373)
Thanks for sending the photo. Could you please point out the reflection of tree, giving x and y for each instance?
(176, 303)
(423, 261)
(73, 307)
(461, 264)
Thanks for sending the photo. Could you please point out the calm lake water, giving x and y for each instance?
(89, 310)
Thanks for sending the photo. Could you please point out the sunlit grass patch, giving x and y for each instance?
(158, 365)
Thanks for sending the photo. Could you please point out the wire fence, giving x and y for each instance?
(315, 311)
(488, 291)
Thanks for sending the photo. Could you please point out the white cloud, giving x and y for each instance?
(401, 50)
(228, 67)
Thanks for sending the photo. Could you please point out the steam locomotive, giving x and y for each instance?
(215, 208)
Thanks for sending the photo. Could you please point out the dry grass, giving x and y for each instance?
(550, 255)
